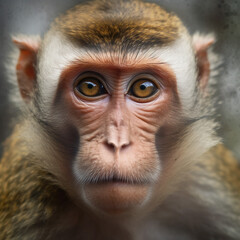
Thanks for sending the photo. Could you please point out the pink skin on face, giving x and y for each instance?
(117, 163)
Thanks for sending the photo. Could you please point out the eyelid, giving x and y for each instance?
(96, 75)
(146, 76)
(89, 74)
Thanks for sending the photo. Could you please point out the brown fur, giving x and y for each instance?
(21, 181)
(225, 169)
(129, 23)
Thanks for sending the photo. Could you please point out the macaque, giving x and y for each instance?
(116, 137)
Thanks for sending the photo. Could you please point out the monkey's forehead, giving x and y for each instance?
(126, 24)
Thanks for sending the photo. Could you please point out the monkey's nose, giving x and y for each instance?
(117, 146)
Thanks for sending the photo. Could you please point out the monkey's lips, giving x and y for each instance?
(116, 196)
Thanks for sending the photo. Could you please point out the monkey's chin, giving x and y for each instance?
(116, 198)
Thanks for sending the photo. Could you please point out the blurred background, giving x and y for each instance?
(219, 16)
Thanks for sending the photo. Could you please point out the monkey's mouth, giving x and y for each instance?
(116, 194)
(115, 179)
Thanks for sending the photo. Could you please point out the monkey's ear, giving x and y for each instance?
(25, 68)
(201, 44)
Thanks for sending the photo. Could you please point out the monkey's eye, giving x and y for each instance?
(90, 87)
(143, 88)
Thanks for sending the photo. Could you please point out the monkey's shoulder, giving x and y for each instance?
(222, 164)
(28, 197)
(214, 190)
(217, 187)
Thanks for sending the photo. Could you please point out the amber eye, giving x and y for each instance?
(143, 88)
(90, 87)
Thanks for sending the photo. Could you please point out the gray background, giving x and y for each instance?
(218, 16)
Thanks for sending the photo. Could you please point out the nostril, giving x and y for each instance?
(125, 145)
(110, 146)
(113, 147)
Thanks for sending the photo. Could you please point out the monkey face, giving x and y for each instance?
(116, 103)
(116, 110)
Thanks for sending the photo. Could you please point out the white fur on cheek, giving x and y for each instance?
(57, 53)
(180, 57)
